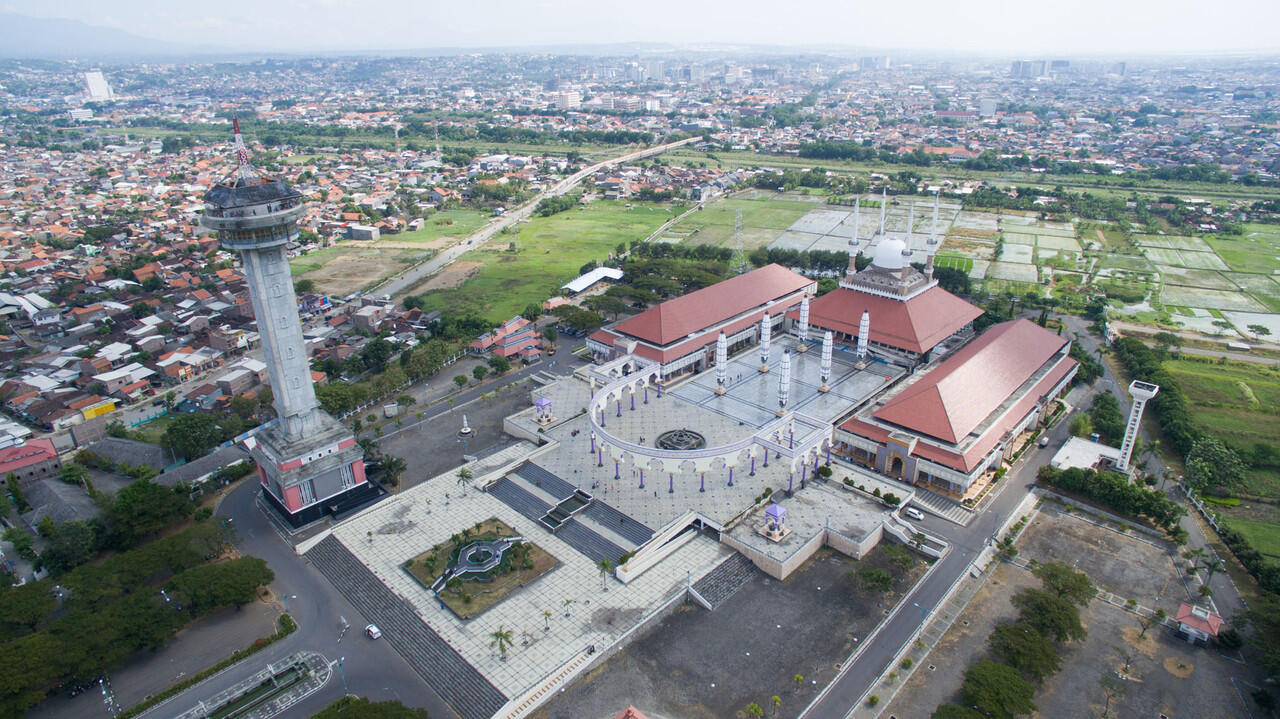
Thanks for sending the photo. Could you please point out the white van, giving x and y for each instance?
(373, 631)
(914, 513)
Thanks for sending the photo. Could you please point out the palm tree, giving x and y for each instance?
(566, 604)
(393, 466)
(546, 620)
(605, 566)
(464, 475)
(502, 638)
(1212, 565)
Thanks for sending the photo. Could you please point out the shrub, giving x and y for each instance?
(873, 700)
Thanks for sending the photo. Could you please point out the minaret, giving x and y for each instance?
(722, 361)
(853, 244)
(784, 383)
(826, 362)
(1141, 392)
(906, 244)
(308, 463)
(884, 204)
(933, 238)
(802, 331)
(766, 330)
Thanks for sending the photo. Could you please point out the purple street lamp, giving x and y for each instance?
(766, 458)
(615, 469)
(730, 475)
(593, 443)
(790, 480)
(600, 456)
(753, 465)
(646, 394)
(602, 416)
(828, 455)
(702, 482)
(804, 474)
(659, 388)
(671, 483)
(619, 406)
(642, 479)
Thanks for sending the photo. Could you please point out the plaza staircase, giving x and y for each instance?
(588, 542)
(570, 531)
(725, 580)
(517, 498)
(624, 525)
(439, 665)
(549, 482)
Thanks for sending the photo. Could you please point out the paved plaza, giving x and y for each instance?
(417, 519)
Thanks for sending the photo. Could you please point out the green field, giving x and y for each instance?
(447, 223)
(550, 251)
(763, 218)
(964, 264)
(1263, 536)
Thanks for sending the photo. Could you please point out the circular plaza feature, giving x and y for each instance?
(681, 439)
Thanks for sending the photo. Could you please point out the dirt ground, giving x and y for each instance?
(710, 665)
(349, 272)
(439, 243)
(1165, 676)
(450, 277)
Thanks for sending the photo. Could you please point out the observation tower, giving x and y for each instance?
(308, 463)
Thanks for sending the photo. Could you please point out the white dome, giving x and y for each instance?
(889, 255)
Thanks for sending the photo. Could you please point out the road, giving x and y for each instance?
(410, 279)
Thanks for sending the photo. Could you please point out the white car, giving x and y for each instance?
(373, 631)
(914, 513)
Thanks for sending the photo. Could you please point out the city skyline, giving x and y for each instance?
(988, 27)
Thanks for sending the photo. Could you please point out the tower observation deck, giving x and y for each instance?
(308, 463)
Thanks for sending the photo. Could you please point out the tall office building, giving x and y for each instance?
(309, 464)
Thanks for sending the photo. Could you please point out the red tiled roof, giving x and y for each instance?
(1206, 621)
(31, 452)
(678, 318)
(630, 713)
(952, 400)
(916, 325)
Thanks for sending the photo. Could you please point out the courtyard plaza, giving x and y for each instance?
(673, 493)
(407, 524)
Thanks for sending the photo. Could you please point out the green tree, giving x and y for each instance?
(499, 365)
(393, 467)
(997, 691)
(1213, 464)
(144, 508)
(874, 579)
(502, 638)
(1054, 617)
(304, 285)
(479, 371)
(550, 334)
(532, 311)
(70, 545)
(193, 434)
(605, 566)
(1025, 649)
(1259, 331)
(461, 380)
(244, 407)
(350, 707)
(15, 492)
(208, 586)
(464, 476)
(1065, 582)
(23, 607)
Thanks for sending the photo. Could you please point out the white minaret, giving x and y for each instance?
(853, 245)
(826, 362)
(722, 361)
(864, 331)
(784, 383)
(802, 332)
(766, 330)
(884, 205)
(1141, 392)
(906, 242)
(933, 238)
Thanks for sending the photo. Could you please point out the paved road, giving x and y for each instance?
(372, 668)
(407, 281)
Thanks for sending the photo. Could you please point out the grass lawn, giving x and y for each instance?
(472, 596)
(763, 218)
(964, 264)
(550, 251)
(153, 431)
(1264, 536)
(448, 223)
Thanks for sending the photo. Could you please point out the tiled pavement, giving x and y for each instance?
(439, 665)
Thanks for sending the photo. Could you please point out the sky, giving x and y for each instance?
(986, 27)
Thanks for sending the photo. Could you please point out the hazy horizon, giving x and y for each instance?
(986, 27)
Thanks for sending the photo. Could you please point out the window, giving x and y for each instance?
(308, 492)
(348, 477)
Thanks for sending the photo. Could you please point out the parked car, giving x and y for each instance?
(914, 513)
(373, 631)
(1044, 440)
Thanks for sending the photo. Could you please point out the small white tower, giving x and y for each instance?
(784, 383)
(884, 205)
(826, 362)
(932, 248)
(722, 361)
(1141, 392)
(853, 245)
(864, 331)
(766, 331)
(802, 331)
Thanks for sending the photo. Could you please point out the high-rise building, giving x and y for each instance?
(309, 464)
(96, 86)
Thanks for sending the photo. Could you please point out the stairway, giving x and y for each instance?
(726, 579)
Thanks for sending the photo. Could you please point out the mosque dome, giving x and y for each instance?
(889, 255)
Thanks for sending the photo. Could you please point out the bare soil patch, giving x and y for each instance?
(450, 277)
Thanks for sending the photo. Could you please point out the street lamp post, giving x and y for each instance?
(924, 612)
(343, 674)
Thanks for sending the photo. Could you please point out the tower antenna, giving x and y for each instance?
(244, 170)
